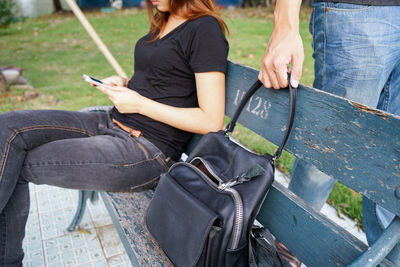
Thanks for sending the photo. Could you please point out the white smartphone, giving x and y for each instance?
(92, 80)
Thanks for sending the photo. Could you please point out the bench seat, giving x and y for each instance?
(127, 211)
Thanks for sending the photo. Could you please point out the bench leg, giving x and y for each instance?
(84, 195)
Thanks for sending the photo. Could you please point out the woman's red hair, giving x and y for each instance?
(188, 9)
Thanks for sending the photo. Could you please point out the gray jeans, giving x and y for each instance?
(74, 150)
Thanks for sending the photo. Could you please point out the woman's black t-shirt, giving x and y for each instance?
(164, 72)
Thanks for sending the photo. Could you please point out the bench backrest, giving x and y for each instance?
(356, 145)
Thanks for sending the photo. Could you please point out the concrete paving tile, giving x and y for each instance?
(110, 241)
(97, 212)
(48, 243)
(83, 259)
(119, 261)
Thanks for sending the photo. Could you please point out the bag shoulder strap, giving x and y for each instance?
(292, 111)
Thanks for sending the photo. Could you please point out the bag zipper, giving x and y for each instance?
(237, 200)
(238, 217)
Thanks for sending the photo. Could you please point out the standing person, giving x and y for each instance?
(357, 55)
(178, 88)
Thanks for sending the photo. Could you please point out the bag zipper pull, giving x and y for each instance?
(228, 184)
(254, 171)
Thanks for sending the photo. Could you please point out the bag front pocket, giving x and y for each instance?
(179, 222)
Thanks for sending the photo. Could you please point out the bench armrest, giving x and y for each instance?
(381, 248)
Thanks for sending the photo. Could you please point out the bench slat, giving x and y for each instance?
(310, 235)
(314, 239)
(358, 146)
(127, 210)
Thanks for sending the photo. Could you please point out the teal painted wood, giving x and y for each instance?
(127, 211)
(314, 239)
(356, 145)
(311, 236)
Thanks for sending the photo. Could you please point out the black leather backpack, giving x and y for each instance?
(203, 210)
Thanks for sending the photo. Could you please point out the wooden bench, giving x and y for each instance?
(357, 145)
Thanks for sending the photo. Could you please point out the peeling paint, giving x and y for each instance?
(356, 123)
(366, 109)
(298, 137)
(349, 168)
(344, 159)
(318, 147)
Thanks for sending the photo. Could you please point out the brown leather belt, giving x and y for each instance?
(127, 129)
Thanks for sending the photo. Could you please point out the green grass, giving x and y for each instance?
(348, 202)
(54, 51)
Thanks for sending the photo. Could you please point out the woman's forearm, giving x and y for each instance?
(208, 116)
(193, 120)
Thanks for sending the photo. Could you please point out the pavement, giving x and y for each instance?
(48, 243)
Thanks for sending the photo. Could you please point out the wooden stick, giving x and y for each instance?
(103, 48)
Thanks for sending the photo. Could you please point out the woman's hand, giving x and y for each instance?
(124, 99)
(115, 81)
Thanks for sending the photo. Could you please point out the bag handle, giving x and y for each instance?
(293, 100)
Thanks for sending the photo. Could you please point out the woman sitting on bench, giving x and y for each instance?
(178, 88)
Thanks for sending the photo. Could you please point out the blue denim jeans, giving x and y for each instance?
(357, 56)
(74, 150)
